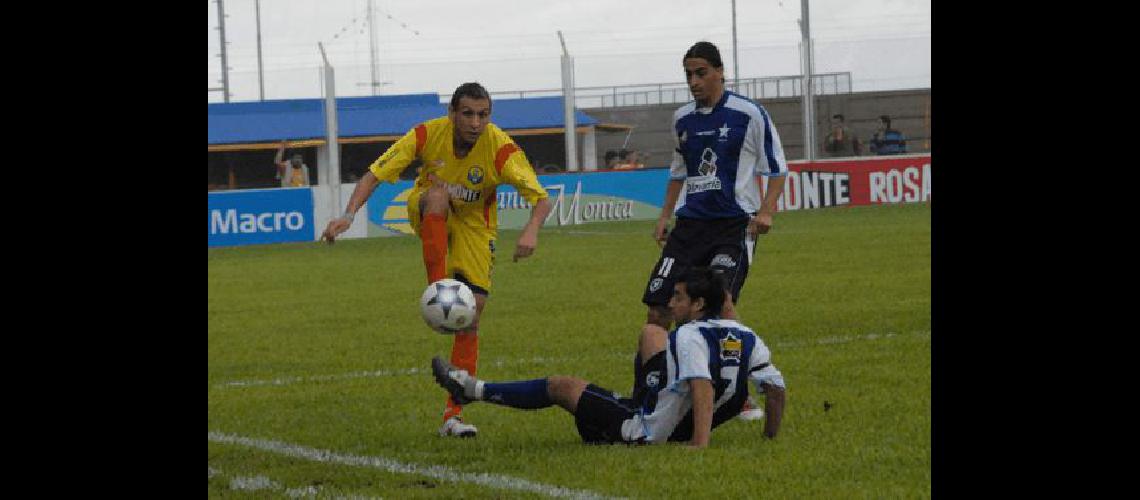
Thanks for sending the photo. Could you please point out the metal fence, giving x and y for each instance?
(674, 93)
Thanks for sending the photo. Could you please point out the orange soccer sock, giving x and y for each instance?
(464, 355)
(433, 234)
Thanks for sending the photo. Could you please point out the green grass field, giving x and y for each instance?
(319, 353)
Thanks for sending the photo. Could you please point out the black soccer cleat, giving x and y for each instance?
(451, 379)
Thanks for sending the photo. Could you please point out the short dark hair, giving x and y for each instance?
(704, 283)
(886, 118)
(470, 90)
(706, 51)
(837, 115)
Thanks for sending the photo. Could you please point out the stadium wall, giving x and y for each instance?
(652, 134)
(262, 216)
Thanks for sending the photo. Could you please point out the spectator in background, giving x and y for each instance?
(887, 141)
(612, 159)
(292, 173)
(629, 161)
(840, 141)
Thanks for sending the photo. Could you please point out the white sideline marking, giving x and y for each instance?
(253, 483)
(433, 471)
(263, 483)
(536, 360)
(322, 378)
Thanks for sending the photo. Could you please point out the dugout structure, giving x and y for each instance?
(243, 137)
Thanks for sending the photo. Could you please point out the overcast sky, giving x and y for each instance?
(434, 45)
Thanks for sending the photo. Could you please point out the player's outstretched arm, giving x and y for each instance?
(773, 408)
(360, 194)
(528, 240)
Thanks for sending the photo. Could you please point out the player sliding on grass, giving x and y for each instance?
(695, 378)
(453, 207)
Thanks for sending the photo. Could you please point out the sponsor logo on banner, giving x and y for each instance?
(907, 185)
(868, 181)
(573, 211)
(803, 190)
(260, 216)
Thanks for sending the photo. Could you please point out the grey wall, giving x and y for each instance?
(909, 111)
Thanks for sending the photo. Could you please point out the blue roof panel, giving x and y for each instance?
(296, 119)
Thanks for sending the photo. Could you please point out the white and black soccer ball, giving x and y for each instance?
(448, 306)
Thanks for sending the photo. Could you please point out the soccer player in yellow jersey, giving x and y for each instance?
(465, 158)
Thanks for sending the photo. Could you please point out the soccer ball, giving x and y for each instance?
(448, 306)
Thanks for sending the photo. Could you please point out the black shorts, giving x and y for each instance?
(720, 244)
(600, 415)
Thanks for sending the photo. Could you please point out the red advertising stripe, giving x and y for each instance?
(858, 181)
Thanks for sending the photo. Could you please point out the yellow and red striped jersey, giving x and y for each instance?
(473, 180)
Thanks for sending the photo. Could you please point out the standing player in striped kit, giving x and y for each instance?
(724, 141)
(453, 208)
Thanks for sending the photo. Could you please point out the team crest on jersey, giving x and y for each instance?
(655, 284)
(475, 175)
(730, 347)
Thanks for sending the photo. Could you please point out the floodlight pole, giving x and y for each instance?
(332, 177)
(735, 68)
(260, 75)
(568, 107)
(372, 54)
(808, 94)
(225, 65)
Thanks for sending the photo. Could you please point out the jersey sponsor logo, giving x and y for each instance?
(722, 260)
(463, 193)
(706, 132)
(730, 347)
(475, 174)
(701, 184)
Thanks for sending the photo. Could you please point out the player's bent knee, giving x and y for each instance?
(653, 340)
(565, 391)
(435, 201)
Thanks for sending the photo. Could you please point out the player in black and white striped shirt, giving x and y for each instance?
(696, 378)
